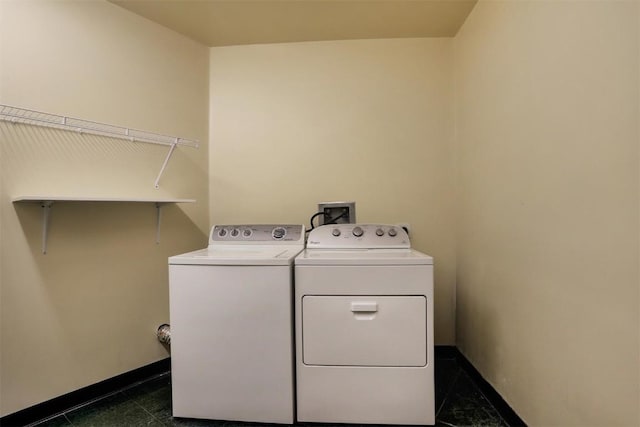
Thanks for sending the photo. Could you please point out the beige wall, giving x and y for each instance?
(88, 309)
(368, 120)
(544, 215)
(547, 147)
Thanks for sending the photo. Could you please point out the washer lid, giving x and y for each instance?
(239, 255)
(363, 257)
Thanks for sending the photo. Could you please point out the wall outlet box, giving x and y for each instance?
(337, 212)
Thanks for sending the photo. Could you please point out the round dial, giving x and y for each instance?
(278, 233)
(235, 232)
(393, 232)
(336, 232)
(222, 232)
(247, 232)
(379, 232)
(357, 231)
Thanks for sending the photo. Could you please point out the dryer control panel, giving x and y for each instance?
(358, 236)
(260, 234)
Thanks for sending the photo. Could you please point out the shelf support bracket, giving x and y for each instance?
(46, 217)
(158, 219)
(166, 160)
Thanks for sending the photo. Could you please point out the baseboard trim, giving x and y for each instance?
(446, 352)
(506, 412)
(86, 394)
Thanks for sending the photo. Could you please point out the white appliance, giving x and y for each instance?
(232, 325)
(364, 327)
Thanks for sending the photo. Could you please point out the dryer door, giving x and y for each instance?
(364, 330)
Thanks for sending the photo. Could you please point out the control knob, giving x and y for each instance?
(379, 232)
(247, 232)
(222, 232)
(393, 232)
(336, 232)
(357, 231)
(278, 233)
(235, 232)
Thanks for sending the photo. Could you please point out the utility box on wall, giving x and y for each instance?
(337, 212)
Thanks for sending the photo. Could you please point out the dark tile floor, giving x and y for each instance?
(459, 402)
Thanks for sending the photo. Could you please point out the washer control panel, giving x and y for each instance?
(358, 236)
(257, 234)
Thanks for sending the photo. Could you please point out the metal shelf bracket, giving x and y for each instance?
(164, 165)
(46, 218)
(158, 220)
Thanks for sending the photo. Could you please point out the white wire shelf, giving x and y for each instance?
(39, 118)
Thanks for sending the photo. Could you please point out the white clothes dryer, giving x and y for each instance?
(232, 325)
(364, 327)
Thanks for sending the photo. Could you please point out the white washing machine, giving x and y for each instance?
(232, 325)
(364, 327)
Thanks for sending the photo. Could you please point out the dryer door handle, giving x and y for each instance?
(364, 307)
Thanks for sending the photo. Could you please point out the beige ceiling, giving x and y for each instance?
(235, 22)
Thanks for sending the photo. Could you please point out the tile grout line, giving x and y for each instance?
(448, 392)
(495, 410)
(67, 418)
(153, 417)
(491, 404)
